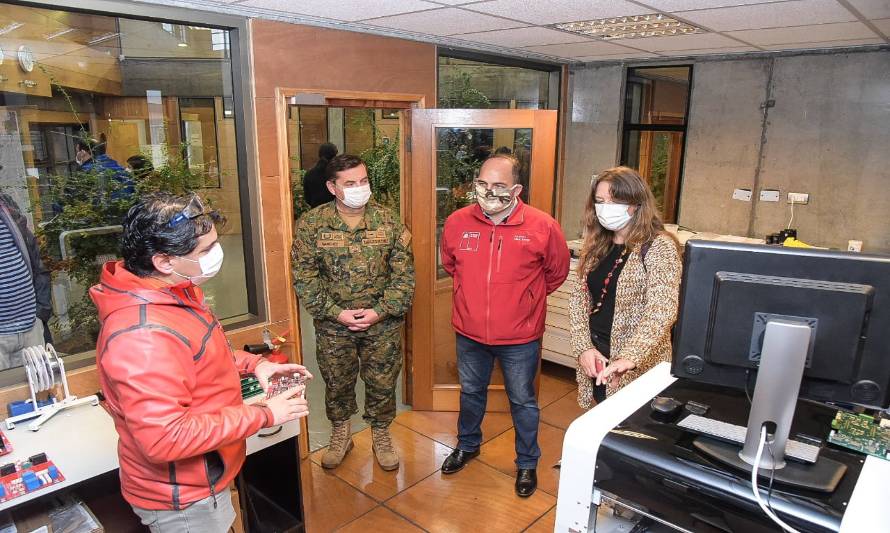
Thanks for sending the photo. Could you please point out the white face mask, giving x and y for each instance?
(613, 217)
(210, 264)
(356, 197)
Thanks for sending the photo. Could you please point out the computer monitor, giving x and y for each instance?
(808, 323)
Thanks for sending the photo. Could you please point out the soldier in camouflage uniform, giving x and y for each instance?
(354, 271)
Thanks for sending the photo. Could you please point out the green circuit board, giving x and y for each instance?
(250, 387)
(861, 433)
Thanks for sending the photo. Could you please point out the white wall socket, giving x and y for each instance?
(799, 198)
(742, 194)
(854, 246)
(769, 195)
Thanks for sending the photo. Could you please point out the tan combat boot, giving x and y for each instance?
(383, 450)
(341, 443)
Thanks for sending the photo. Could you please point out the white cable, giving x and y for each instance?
(755, 470)
(792, 213)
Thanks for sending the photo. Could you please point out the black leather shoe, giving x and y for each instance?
(457, 460)
(526, 482)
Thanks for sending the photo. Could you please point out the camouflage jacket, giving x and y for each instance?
(370, 267)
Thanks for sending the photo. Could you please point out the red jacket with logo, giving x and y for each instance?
(503, 273)
(172, 385)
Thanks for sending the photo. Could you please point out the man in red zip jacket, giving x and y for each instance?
(170, 378)
(505, 258)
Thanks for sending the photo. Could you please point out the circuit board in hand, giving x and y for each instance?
(279, 384)
(861, 433)
(250, 387)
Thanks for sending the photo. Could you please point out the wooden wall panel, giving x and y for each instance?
(288, 55)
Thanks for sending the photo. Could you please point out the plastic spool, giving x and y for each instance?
(42, 364)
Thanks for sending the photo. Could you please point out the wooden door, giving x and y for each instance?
(447, 149)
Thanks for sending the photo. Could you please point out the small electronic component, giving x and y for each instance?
(279, 384)
(860, 432)
(37, 459)
(5, 445)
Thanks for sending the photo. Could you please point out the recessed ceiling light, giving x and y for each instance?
(632, 27)
(103, 38)
(59, 33)
(12, 26)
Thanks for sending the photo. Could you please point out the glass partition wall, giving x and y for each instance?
(156, 103)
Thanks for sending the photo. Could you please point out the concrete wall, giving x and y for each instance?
(723, 144)
(591, 136)
(826, 134)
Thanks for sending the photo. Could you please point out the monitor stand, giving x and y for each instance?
(785, 347)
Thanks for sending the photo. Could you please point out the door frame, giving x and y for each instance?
(426, 394)
(283, 96)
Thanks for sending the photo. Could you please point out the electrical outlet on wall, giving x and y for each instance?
(742, 194)
(799, 198)
(769, 195)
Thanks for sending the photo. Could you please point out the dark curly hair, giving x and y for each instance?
(340, 163)
(147, 230)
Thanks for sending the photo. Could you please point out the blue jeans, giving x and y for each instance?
(519, 362)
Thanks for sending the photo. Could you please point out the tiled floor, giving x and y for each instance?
(359, 496)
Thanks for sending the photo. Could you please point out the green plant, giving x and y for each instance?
(298, 195)
(382, 161)
(459, 93)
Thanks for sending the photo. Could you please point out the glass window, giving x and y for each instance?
(118, 84)
(655, 104)
(460, 153)
(467, 84)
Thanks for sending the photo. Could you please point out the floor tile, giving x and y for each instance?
(478, 498)
(499, 453)
(563, 411)
(329, 502)
(545, 524)
(442, 426)
(552, 389)
(380, 519)
(420, 456)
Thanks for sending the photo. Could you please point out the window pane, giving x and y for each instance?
(656, 95)
(118, 83)
(465, 84)
(656, 156)
(460, 153)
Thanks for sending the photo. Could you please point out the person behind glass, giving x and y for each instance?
(505, 258)
(626, 302)
(140, 167)
(315, 187)
(169, 375)
(25, 287)
(90, 156)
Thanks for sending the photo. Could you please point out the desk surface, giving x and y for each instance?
(82, 442)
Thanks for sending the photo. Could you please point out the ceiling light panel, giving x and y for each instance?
(542, 13)
(631, 27)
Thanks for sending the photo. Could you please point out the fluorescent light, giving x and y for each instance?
(632, 27)
(103, 38)
(59, 33)
(12, 26)
(182, 45)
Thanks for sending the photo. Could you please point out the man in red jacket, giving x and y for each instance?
(505, 258)
(169, 375)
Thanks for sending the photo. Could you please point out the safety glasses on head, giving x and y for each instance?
(192, 210)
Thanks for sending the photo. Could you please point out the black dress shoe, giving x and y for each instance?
(526, 482)
(457, 460)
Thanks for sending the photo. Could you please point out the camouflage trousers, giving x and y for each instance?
(378, 358)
